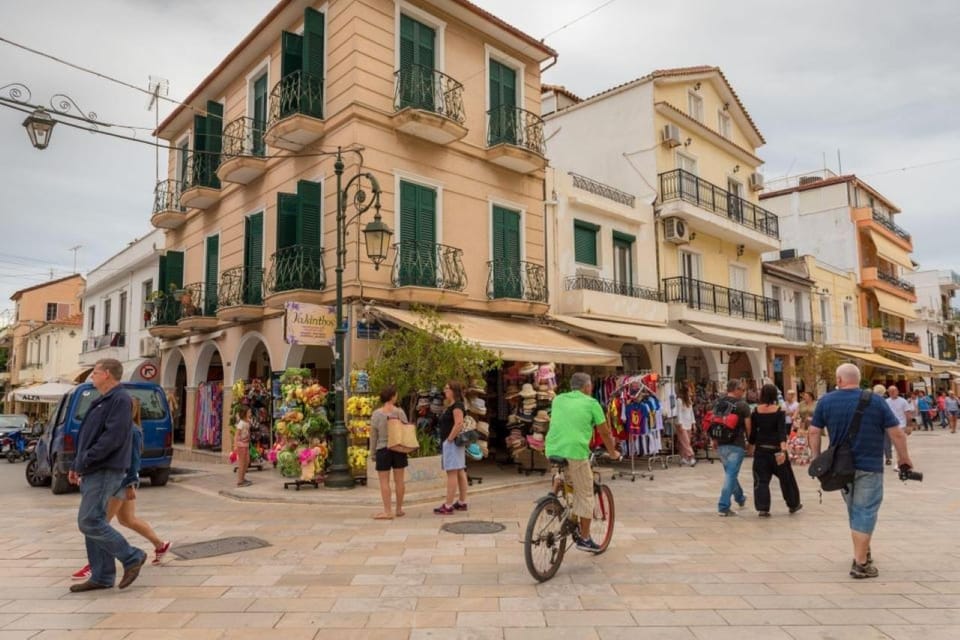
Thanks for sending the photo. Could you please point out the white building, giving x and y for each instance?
(115, 317)
(937, 321)
(52, 349)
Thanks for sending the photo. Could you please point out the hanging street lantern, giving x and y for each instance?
(39, 126)
(376, 236)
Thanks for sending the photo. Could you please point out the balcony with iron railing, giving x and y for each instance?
(874, 276)
(886, 222)
(882, 224)
(591, 295)
(428, 104)
(240, 294)
(844, 335)
(515, 139)
(434, 273)
(164, 315)
(167, 210)
(110, 345)
(198, 306)
(802, 331)
(718, 211)
(516, 286)
(243, 151)
(897, 282)
(296, 273)
(296, 111)
(705, 296)
(201, 186)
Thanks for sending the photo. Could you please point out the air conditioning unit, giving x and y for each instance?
(148, 347)
(675, 230)
(756, 181)
(670, 135)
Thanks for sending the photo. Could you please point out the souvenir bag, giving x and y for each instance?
(468, 434)
(401, 436)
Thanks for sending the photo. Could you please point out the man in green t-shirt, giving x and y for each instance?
(573, 416)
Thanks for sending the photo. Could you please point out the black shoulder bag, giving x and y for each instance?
(834, 467)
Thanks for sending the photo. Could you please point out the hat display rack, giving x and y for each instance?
(475, 401)
(530, 393)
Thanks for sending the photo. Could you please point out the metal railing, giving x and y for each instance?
(890, 225)
(200, 300)
(240, 286)
(422, 87)
(891, 335)
(519, 280)
(166, 196)
(296, 267)
(802, 331)
(895, 281)
(602, 285)
(166, 311)
(705, 296)
(519, 127)
(243, 137)
(604, 191)
(296, 93)
(683, 185)
(426, 264)
(113, 339)
(202, 170)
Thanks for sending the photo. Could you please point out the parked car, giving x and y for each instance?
(57, 446)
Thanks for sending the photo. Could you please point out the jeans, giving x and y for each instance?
(927, 421)
(104, 543)
(732, 457)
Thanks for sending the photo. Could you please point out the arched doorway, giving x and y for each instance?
(253, 359)
(319, 359)
(208, 416)
(635, 358)
(175, 382)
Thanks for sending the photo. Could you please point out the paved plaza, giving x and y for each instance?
(674, 570)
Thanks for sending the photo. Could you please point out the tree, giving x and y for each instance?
(818, 365)
(426, 356)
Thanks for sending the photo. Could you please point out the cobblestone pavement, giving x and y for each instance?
(674, 570)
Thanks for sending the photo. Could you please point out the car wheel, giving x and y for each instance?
(34, 477)
(160, 477)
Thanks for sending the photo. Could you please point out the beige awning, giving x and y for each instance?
(638, 332)
(890, 251)
(878, 361)
(919, 358)
(895, 305)
(517, 340)
(742, 340)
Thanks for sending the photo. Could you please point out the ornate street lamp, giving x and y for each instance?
(39, 126)
(377, 239)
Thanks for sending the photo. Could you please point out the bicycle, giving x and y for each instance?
(552, 522)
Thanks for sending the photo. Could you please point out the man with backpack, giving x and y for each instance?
(836, 412)
(729, 428)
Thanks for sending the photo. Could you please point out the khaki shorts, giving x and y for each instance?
(580, 476)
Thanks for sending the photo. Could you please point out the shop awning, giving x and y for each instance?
(80, 375)
(638, 332)
(919, 358)
(48, 392)
(890, 251)
(517, 340)
(878, 361)
(895, 305)
(741, 340)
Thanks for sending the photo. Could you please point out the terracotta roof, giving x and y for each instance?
(700, 124)
(559, 88)
(826, 182)
(17, 294)
(283, 4)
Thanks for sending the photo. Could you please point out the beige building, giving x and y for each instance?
(438, 100)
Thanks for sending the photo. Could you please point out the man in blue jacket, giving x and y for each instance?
(102, 459)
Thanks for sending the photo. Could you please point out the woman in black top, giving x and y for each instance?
(769, 437)
(452, 457)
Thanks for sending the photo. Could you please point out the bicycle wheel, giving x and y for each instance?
(546, 540)
(604, 513)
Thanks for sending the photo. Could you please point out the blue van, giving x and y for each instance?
(57, 446)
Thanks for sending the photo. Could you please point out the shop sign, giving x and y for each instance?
(310, 324)
(148, 371)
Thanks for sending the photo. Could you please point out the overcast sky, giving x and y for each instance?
(878, 80)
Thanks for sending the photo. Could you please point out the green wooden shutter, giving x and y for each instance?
(287, 220)
(214, 143)
(291, 53)
(503, 100)
(196, 168)
(408, 233)
(585, 242)
(259, 114)
(506, 253)
(418, 212)
(212, 274)
(427, 226)
(162, 275)
(417, 61)
(253, 259)
(174, 270)
(309, 213)
(312, 85)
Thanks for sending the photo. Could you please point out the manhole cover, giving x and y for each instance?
(219, 547)
(473, 526)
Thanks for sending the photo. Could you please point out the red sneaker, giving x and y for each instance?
(82, 574)
(443, 510)
(459, 506)
(160, 552)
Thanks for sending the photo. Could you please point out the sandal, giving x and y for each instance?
(383, 516)
(401, 513)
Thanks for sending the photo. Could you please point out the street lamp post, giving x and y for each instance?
(377, 239)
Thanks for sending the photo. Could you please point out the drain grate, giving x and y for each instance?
(473, 526)
(219, 547)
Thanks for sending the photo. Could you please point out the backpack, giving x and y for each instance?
(722, 421)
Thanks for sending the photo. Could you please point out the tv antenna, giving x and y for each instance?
(75, 249)
(158, 88)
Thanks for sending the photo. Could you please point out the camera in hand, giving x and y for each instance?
(907, 473)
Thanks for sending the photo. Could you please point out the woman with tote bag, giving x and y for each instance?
(387, 460)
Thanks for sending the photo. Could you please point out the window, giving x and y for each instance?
(688, 164)
(734, 200)
(146, 292)
(46, 350)
(738, 278)
(507, 274)
(695, 106)
(253, 259)
(51, 311)
(418, 235)
(299, 237)
(504, 122)
(585, 242)
(623, 262)
(827, 318)
(775, 293)
(724, 124)
(691, 265)
(106, 316)
(91, 318)
(302, 65)
(183, 152)
(151, 403)
(122, 322)
(417, 62)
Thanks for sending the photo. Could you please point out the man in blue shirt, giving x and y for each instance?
(863, 496)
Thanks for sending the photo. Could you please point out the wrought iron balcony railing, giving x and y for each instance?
(601, 285)
(895, 281)
(296, 93)
(802, 331)
(602, 190)
(426, 264)
(199, 300)
(296, 267)
(518, 280)
(426, 88)
(166, 196)
(202, 170)
(683, 185)
(705, 296)
(94, 343)
(166, 311)
(885, 221)
(243, 137)
(519, 127)
(240, 286)
(891, 335)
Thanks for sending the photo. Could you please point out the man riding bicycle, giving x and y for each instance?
(573, 417)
